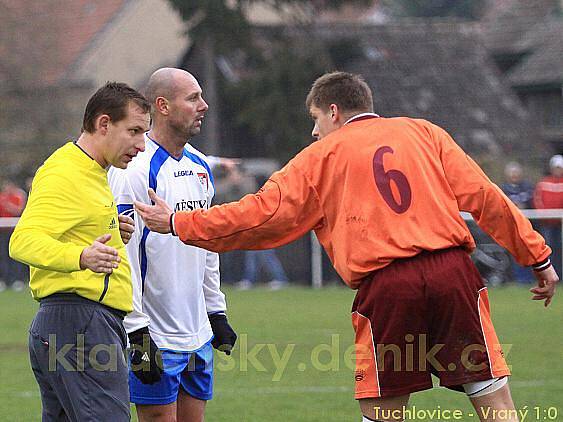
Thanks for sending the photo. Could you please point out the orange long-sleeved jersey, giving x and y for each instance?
(375, 190)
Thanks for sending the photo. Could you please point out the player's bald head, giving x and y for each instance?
(164, 83)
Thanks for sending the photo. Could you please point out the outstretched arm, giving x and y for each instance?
(284, 209)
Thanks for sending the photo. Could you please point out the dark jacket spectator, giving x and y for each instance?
(519, 190)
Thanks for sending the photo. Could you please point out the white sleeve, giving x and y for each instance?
(214, 297)
(124, 197)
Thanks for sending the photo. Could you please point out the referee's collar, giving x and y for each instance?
(361, 116)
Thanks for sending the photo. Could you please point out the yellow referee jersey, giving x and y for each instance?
(70, 205)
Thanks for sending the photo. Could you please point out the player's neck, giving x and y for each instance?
(168, 139)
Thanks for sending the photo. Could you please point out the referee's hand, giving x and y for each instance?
(99, 257)
(545, 290)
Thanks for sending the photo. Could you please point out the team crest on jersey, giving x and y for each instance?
(203, 180)
(113, 224)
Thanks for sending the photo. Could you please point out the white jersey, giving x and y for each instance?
(175, 285)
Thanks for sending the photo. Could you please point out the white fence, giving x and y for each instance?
(316, 249)
(9, 222)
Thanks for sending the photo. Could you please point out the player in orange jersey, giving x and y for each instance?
(384, 197)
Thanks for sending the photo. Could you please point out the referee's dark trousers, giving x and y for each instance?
(76, 348)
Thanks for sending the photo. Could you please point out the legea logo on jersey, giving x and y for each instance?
(190, 205)
(181, 173)
(113, 224)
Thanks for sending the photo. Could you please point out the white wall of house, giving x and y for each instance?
(143, 36)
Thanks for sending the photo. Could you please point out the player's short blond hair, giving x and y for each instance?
(349, 91)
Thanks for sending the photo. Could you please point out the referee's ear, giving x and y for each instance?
(101, 124)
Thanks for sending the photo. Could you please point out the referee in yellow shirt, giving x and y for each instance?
(69, 235)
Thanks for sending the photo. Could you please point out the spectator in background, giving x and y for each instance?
(267, 259)
(12, 199)
(549, 195)
(521, 192)
(233, 185)
(232, 182)
(12, 203)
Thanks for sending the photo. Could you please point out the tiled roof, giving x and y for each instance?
(439, 71)
(544, 65)
(508, 22)
(51, 34)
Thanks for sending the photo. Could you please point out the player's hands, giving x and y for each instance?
(146, 359)
(228, 163)
(224, 337)
(547, 280)
(99, 257)
(157, 216)
(126, 227)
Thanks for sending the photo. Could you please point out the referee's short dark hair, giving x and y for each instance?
(112, 99)
(348, 91)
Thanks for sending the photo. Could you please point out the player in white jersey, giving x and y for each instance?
(178, 306)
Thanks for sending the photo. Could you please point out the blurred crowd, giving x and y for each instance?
(246, 269)
(547, 194)
(12, 202)
(232, 182)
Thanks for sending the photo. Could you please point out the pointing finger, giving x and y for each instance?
(153, 196)
(157, 200)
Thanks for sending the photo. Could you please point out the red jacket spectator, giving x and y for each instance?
(12, 200)
(549, 190)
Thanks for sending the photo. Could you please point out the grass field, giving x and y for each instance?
(292, 364)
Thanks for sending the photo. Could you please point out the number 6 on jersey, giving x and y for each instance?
(383, 182)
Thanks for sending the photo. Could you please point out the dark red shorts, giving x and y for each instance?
(424, 315)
